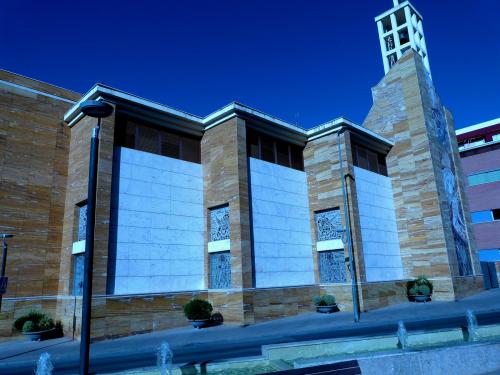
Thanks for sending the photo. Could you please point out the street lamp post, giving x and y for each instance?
(3, 279)
(352, 266)
(99, 110)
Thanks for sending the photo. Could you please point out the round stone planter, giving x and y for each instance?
(200, 323)
(40, 335)
(326, 309)
(421, 297)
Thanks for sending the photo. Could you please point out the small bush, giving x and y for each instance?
(33, 321)
(198, 309)
(45, 323)
(420, 286)
(33, 315)
(28, 326)
(324, 300)
(424, 290)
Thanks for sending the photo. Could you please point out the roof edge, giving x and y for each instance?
(102, 92)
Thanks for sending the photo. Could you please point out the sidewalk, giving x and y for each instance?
(229, 341)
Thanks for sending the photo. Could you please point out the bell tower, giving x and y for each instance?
(399, 29)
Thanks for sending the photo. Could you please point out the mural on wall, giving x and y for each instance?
(439, 127)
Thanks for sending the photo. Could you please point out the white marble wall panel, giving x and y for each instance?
(281, 226)
(157, 224)
(379, 231)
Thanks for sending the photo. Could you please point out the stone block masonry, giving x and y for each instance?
(281, 226)
(379, 231)
(157, 227)
(406, 109)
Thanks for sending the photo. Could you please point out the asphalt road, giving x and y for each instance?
(223, 342)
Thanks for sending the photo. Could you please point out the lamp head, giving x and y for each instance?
(96, 108)
(5, 235)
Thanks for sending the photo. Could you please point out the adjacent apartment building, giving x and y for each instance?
(238, 207)
(479, 147)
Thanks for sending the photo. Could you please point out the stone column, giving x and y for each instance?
(225, 173)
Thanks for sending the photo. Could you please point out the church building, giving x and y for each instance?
(238, 207)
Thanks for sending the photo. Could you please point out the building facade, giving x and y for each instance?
(237, 207)
(479, 147)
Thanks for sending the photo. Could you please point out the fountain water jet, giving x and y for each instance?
(402, 335)
(44, 365)
(471, 326)
(164, 358)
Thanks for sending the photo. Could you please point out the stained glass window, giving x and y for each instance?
(220, 270)
(219, 223)
(332, 266)
(328, 225)
(82, 222)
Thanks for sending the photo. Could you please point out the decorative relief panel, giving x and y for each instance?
(220, 270)
(82, 222)
(219, 223)
(332, 266)
(438, 128)
(328, 225)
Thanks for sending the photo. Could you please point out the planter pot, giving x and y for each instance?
(326, 309)
(200, 323)
(421, 297)
(40, 335)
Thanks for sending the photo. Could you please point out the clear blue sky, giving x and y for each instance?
(303, 61)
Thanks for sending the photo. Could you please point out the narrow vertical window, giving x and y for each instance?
(328, 225)
(78, 250)
(267, 149)
(220, 270)
(219, 248)
(330, 246)
(219, 223)
(82, 222)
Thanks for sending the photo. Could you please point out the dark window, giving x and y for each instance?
(190, 150)
(156, 140)
(170, 145)
(264, 147)
(267, 149)
(382, 165)
(282, 153)
(297, 157)
(368, 159)
(147, 139)
(253, 145)
(129, 139)
(496, 214)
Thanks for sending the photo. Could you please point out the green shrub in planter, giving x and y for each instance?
(424, 290)
(33, 316)
(34, 321)
(28, 326)
(46, 323)
(324, 300)
(198, 309)
(421, 286)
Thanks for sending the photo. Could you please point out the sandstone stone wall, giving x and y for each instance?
(33, 169)
(404, 110)
(78, 164)
(225, 174)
